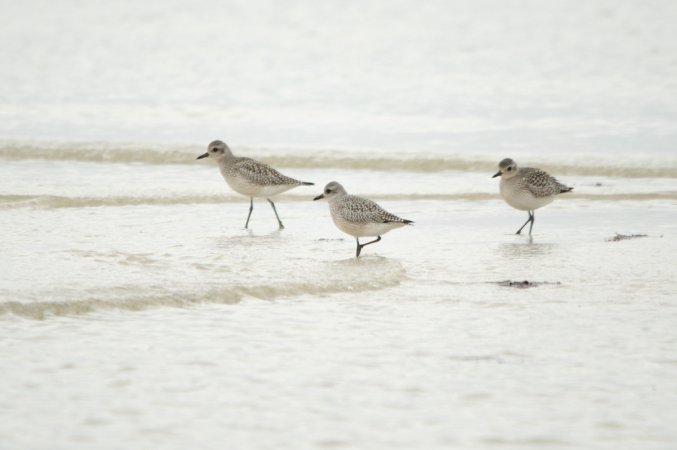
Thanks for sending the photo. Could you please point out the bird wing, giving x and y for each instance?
(362, 210)
(261, 173)
(540, 184)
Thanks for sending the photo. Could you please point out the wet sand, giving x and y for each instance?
(156, 323)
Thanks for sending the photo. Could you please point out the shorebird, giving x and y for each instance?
(249, 177)
(527, 189)
(357, 216)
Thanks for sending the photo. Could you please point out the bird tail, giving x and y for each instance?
(564, 189)
(398, 220)
(306, 183)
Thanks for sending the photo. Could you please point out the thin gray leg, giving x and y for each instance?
(533, 219)
(275, 210)
(251, 208)
(525, 223)
(359, 246)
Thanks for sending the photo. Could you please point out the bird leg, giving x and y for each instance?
(275, 210)
(359, 246)
(529, 220)
(251, 208)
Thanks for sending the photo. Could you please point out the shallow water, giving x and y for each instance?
(136, 312)
(153, 318)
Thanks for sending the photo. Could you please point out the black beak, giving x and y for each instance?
(319, 197)
(496, 174)
(202, 156)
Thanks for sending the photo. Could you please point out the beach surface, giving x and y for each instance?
(137, 312)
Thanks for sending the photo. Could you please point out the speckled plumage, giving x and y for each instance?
(539, 183)
(526, 188)
(357, 216)
(361, 210)
(256, 173)
(249, 177)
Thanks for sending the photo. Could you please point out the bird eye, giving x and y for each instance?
(214, 150)
(327, 191)
(509, 169)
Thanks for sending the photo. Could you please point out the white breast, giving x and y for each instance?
(364, 229)
(519, 197)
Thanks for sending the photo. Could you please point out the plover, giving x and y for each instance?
(527, 189)
(249, 177)
(357, 216)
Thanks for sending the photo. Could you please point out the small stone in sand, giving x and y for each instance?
(624, 237)
(524, 284)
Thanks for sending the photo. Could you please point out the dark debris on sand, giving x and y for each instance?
(624, 237)
(524, 284)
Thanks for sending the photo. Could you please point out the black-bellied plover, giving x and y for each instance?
(357, 216)
(527, 189)
(249, 177)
